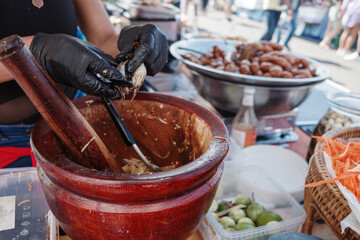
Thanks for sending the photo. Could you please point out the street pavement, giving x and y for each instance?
(343, 72)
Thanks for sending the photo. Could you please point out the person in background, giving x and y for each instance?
(351, 23)
(291, 24)
(273, 9)
(176, 3)
(204, 6)
(227, 8)
(334, 25)
(49, 30)
(355, 56)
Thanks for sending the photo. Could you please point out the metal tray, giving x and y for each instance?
(205, 45)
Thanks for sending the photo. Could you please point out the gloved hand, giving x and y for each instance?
(74, 62)
(152, 50)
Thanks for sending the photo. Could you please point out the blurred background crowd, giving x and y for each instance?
(325, 30)
(335, 23)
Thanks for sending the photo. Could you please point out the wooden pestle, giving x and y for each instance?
(58, 111)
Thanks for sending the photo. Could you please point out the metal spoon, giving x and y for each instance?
(126, 135)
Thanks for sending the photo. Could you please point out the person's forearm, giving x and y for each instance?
(5, 76)
(288, 3)
(109, 45)
(96, 26)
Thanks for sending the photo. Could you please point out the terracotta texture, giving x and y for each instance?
(91, 204)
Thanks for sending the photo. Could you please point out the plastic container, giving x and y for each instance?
(244, 180)
(344, 110)
(23, 208)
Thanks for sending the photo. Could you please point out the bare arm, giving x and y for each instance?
(288, 3)
(95, 24)
(289, 10)
(5, 76)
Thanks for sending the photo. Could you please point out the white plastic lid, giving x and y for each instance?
(345, 103)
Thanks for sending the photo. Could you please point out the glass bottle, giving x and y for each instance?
(244, 125)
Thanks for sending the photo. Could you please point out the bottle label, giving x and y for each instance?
(239, 137)
(248, 100)
(242, 138)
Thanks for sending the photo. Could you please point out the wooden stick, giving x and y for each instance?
(57, 110)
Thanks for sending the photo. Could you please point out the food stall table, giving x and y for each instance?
(178, 84)
(307, 118)
(194, 236)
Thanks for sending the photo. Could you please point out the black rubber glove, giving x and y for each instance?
(75, 62)
(152, 50)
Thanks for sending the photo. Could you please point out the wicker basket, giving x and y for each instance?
(327, 199)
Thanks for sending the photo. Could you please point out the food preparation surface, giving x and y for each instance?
(320, 230)
(194, 236)
(306, 115)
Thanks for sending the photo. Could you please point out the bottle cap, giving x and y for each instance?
(249, 90)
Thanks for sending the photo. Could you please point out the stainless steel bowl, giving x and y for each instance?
(224, 89)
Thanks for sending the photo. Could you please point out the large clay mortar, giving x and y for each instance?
(91, 204)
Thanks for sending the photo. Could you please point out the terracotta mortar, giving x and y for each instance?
(91, 204)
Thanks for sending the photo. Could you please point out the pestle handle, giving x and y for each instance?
(58, 111)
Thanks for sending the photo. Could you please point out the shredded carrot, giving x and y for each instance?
(30, 187)
(344, 155)
(315, 184)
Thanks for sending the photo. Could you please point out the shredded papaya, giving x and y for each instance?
(345, 158)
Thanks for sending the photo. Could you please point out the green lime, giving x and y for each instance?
(236, 214)
(223, 205)
(267, 217)
(246, 220)
(227, 222)
(243, 226)
(242, 199)
(254, 210)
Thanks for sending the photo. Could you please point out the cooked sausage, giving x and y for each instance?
(286, 74)
(312, 70)
(275, 71)
(303, 72)
(255, 67)
(246, 62)
(301, 63)
(265, 58)
(266, 74)
(265, 66)
(259, 73)
(280, 61)
(245, 69)
(288, 67)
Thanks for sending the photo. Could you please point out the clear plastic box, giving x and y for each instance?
(23, 208)
(238, 178)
